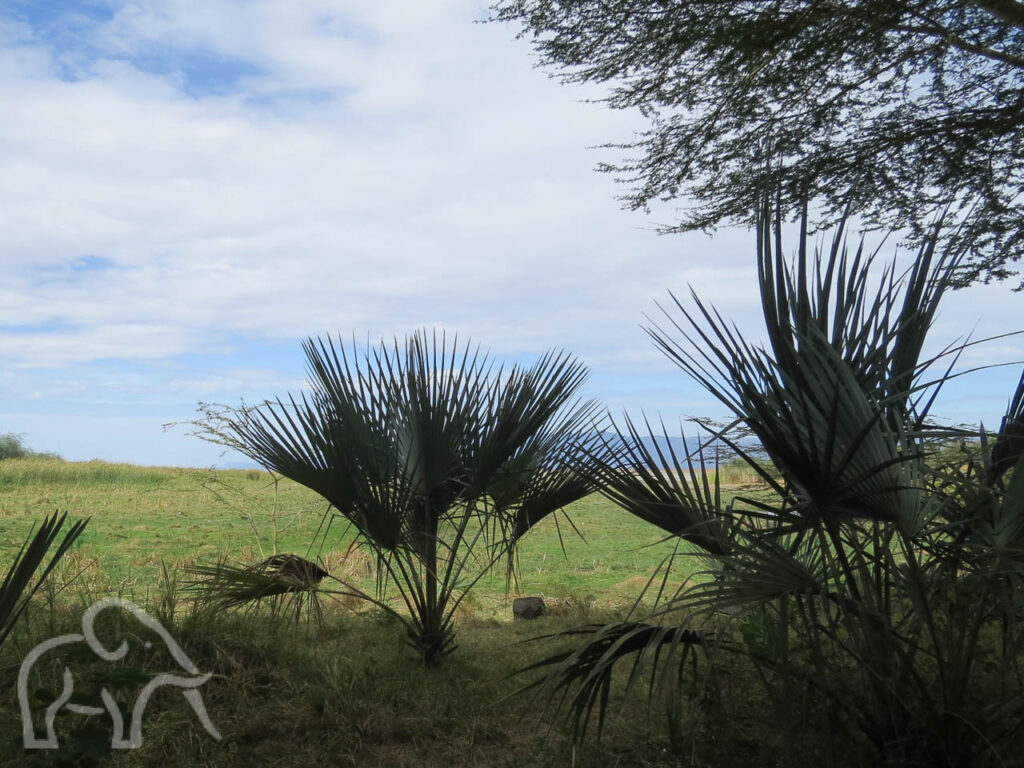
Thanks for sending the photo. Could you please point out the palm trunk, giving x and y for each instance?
(435, 637)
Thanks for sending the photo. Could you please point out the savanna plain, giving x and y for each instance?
(343, 689)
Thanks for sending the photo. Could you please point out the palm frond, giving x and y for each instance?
(1009, 445)
(287, 582)
(24, 577)
(581, 679)
(829, 401)
(655, 483)
(439, 459)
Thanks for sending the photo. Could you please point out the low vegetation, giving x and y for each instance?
(12, 446)
(438, 460)
(348, 692)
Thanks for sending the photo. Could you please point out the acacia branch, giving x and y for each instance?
(952, 38)
(1008, 11)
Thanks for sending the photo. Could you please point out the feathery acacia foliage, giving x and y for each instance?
(898, 107)
(439, 459)
(883, 589)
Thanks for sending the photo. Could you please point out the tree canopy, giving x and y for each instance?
(899, 109)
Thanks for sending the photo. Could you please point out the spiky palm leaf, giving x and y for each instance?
(581, 679)
(831, 400)
(874, 576)
(657, 484)
(439, 459)
(290, 584)
(24, 576)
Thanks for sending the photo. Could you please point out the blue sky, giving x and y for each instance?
(191, 188)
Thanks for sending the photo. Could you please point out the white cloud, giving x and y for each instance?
(369, 168)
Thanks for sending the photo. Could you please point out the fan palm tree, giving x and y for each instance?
(861, 572)
(440, 460)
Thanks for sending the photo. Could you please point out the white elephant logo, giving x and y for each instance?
(189, 684)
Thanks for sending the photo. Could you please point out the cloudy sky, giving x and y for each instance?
(192, 187)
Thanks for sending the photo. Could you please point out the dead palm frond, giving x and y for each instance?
(289, 583)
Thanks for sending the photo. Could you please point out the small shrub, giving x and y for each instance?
(438, 460)
(12, 446)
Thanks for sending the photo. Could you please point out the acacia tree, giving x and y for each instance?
(898, 108)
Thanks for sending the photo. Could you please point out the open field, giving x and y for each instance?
(349, 693)
(142, 518)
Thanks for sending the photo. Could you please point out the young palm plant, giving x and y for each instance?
(883, 588)
(440, 460)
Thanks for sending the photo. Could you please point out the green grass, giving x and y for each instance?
(348, 693)
(26, 472)
(143, 517)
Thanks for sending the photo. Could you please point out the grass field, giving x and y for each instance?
(143, 518)
(348, 693)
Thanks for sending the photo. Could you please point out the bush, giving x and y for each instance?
(12, 446)
(438, 459)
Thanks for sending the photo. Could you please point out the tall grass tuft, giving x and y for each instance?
(47, 470)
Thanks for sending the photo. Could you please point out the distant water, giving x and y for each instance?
(713, 450)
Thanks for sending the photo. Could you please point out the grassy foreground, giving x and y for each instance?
(144, 518)
(348, 693)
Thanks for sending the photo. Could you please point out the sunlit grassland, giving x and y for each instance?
(145, 518)
(345, 693)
